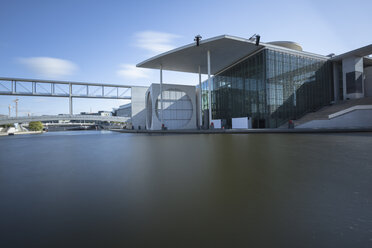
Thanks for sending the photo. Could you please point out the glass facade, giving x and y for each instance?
(272, 87)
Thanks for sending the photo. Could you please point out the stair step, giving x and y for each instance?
(324, 112)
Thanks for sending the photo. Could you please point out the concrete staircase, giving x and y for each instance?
(324, 112)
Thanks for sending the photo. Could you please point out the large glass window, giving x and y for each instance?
(272, 87)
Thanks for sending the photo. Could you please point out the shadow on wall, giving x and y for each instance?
(310, 97)
(139, 120)
(177, 110)
(178, 107)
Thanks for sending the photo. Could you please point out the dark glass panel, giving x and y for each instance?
(272, 87)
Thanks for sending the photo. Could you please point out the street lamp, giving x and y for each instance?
(197, 39)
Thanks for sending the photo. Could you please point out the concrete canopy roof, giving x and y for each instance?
(224, 51)
(360, 52)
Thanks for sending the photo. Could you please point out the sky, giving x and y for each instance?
(102, 41)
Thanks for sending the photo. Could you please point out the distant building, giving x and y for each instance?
(124, 110)
(88, 113)
(105, 113)
(100, 113)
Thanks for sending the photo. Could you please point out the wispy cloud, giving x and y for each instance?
(155, 42)
(49, 67)
(129, 71)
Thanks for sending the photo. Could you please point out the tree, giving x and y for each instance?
(7, 125)
(35, 126)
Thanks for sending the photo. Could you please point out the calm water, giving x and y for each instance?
(93, 189)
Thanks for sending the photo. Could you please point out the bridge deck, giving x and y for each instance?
(24, 119)
(53, 88)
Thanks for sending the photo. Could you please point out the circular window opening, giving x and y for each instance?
(177, 108)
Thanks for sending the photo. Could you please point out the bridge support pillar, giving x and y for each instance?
(70, 105)
(70, 99)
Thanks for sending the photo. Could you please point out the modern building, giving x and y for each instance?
(270, 83)
(124, 110)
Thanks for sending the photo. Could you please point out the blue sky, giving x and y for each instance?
(101, 41)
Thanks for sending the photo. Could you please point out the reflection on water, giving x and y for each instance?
(103, 189)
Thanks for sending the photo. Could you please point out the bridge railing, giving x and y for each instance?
(34, 87)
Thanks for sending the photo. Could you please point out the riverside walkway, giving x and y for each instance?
(246, 131)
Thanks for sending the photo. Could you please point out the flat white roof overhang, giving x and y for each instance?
(224, 51)
(360, 52)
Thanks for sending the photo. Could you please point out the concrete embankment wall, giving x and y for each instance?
(356, 119)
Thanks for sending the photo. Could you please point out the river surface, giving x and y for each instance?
(104, 189)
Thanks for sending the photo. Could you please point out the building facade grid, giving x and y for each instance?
(271, 87)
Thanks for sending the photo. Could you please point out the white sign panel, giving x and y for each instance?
(239, 123)
(216, 123)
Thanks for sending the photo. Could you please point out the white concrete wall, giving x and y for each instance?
(138, 107)
(368, 81)
(156, 124)
(352, 64)
(354, 119)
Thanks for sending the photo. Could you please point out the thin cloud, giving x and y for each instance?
(155, 42)
(129, 71)
(49, 67)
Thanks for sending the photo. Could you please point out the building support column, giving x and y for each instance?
(161, 95)
(354, 83)
(336, 79)
(200, 101)
(70, 98)
(209, 88)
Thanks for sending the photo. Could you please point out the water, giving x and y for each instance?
(103, 189)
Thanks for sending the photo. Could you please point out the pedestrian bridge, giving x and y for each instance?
(25, 119)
